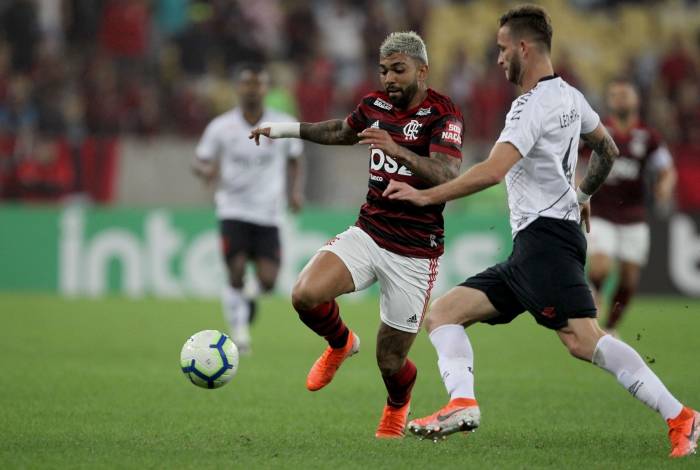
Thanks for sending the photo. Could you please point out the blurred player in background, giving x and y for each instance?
(536, 153)
(252, 181)
(620, 231)
(415, 135)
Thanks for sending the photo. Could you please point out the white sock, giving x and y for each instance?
(632, 372)
(236, 309)
(455, 360)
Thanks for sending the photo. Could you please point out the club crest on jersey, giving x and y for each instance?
(380, 103)
(410, 130)
(424, 111)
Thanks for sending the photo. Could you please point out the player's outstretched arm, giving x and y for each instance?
(333, 132)
(437, 169)
(481, 176)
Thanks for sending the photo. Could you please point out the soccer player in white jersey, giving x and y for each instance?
(251, 193)
(536, 154)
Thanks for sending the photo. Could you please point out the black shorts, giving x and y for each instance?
(543, 275)
(256, 241)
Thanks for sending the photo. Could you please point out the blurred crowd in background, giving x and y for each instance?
(77, 76)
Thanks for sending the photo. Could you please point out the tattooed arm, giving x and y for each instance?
(602, 158)
(333, 132)
(437, 169)
(604, 153)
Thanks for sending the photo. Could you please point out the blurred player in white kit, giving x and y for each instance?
(251, 195)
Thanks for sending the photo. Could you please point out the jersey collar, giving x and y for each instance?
(413, 110)
(238, 111)
(548, 77)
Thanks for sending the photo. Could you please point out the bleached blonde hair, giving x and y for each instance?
(404, 42)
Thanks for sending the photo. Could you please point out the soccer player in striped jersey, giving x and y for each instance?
(413, 134)
(619, 215)
(536, 154)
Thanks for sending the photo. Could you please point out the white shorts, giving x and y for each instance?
(626, 242)
(405, 283)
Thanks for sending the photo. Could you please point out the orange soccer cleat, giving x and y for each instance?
(324, 368)
(393, 422)
(460, 414)
(683, 432)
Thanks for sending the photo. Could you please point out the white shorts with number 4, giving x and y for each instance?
(405, 283)
(626, 242)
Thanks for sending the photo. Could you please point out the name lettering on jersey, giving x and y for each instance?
(453, 134)
(379, 161)
(519, 103)
(410, 130)
(567, 119)
(424, 111)
(380, 103)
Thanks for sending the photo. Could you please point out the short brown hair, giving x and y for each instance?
(531, 20)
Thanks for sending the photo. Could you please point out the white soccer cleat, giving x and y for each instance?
(460, 414)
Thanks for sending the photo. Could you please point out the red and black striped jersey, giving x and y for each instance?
(435, 125)
(621, 198)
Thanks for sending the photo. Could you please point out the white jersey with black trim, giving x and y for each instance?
(545, 124)
(253, 179)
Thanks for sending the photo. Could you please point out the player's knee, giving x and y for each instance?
(236, 283)
(304, 296)
(597, 278)
(579, 349)
(430, 323)
(266, 285)
(628, 284)
(389, 364)
(435, 317)
(235, 278)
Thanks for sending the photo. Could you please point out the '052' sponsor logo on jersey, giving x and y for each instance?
(379, 161)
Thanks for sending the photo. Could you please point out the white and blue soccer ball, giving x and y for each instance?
(209, 359)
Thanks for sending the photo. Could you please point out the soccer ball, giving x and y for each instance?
(209, 359)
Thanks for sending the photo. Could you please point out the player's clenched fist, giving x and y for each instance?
(405, 192)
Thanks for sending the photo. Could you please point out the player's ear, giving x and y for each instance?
(422, 72)
(524, 47)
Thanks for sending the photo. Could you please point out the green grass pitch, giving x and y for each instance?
(97, 383)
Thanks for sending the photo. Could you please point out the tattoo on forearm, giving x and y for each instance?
(333, 132)
(437, 169)
(604, 153)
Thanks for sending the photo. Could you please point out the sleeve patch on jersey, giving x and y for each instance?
(453, 134)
